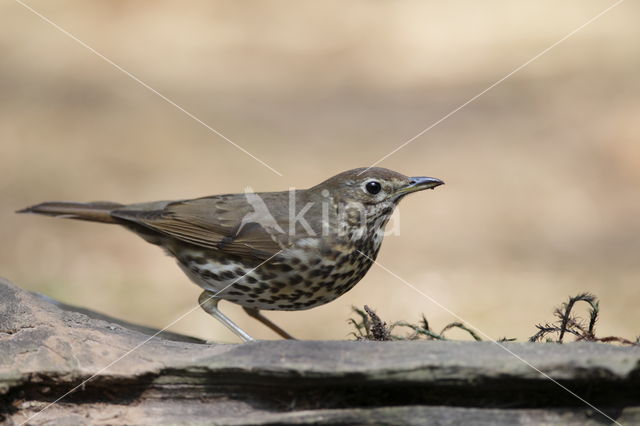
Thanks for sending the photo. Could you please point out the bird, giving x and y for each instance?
(288, 250)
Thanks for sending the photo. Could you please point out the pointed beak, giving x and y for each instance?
(419, 184)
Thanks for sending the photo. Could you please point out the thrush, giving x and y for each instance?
(288, 250)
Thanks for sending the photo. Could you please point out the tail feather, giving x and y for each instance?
(98, 211)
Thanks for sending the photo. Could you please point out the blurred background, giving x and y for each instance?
(543, 172)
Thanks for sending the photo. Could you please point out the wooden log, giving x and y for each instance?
(126, 377)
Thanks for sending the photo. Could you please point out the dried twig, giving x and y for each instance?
(568, 323)
(564, 312)
(462, 327)
(371, 327)
(379, 330)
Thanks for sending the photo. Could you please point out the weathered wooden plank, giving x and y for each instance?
(46, 349)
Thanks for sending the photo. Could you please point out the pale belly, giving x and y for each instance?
(303, 279)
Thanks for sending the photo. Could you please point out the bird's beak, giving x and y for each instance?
(419, 184)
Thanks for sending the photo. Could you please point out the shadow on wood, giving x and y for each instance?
(47, 349)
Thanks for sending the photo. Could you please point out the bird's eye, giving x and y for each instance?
(373, 187)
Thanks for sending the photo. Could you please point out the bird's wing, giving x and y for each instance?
(228, 223)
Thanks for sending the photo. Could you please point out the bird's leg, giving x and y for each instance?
(209, 303)
(255, 313)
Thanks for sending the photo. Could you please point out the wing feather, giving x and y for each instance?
(214, 223)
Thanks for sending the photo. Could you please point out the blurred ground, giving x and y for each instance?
(543, 172)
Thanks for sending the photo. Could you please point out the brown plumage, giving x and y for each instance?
(285, 250)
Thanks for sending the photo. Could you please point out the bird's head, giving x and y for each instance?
(362, 200)
(374, 186)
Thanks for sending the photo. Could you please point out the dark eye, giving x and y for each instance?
(373, 187)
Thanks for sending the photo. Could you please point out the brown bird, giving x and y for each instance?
(289, 250)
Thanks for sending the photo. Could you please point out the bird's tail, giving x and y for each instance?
(98, 211)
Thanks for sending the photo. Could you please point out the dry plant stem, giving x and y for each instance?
(371, 327)
(379, 330)
(565, 314)
(462, 327)
(568, 323)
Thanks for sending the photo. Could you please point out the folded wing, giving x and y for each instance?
(228, 223)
